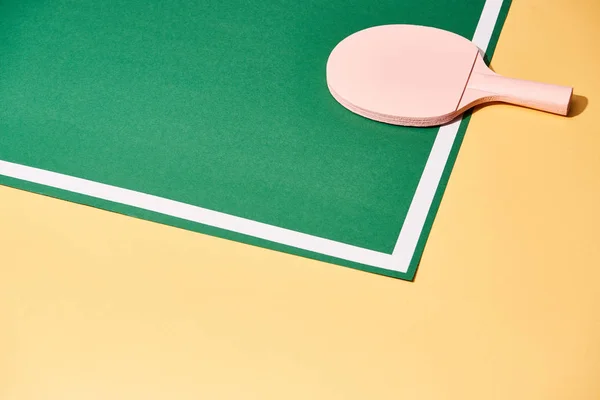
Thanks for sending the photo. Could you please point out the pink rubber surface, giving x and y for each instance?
(403, 74)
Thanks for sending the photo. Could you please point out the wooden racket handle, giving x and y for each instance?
(540, 96)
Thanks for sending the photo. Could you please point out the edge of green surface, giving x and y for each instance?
(411, 272)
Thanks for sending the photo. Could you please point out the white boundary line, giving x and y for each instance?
(192, 213)
(438, 158)
(411, 230)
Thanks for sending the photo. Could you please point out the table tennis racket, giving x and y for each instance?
(422, 76)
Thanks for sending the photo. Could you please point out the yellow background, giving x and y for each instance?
(506, 303)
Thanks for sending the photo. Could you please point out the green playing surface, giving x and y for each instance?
(223, 106)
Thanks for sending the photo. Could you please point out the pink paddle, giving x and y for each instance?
(420, 76)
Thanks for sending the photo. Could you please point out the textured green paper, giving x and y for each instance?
(217, 104)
